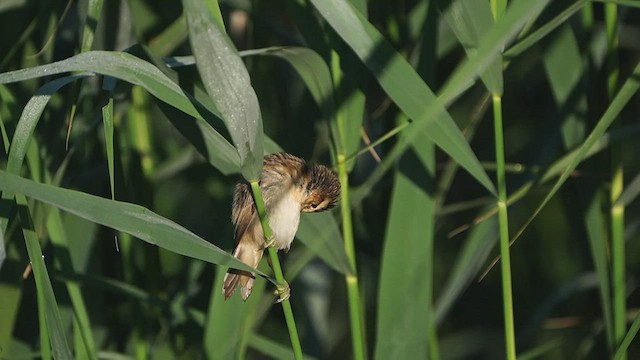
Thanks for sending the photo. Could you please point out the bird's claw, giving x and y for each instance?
(283, 292)
(271, 241)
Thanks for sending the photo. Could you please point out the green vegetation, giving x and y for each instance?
(487, 152)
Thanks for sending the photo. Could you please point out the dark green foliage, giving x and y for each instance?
(154, 150)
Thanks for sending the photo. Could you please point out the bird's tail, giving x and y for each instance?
(250, 255)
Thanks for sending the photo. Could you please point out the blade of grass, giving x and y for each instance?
(535, 37)
(23, 134)
(45, 341)
(630, 193)
(94, 8)
(56, 231)
(597, 235)
(7, 100)
(565, 68)
(629, 88)
(227, 81)
(404, 86)
(228, 323)
(107, 123)
(172, 37)
(472, 257)
(616, 212)
(321, 234)
(139, 72)
(490, 46)
(271, 348)
(470, 20)
(54, 329)
(130, 218)
(140, 133)
(313, 70)
(628, 338)
(406, 274)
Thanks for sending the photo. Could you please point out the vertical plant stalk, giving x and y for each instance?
(140, 127)
(498, 8)
(353, 291)
(277, 270)
(434, 347)
(94, 8)
(617, 186)
(355, 311)
(505, 262)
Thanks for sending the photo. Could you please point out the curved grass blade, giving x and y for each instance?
(312, 69)
(621, 99)
(7, 100)
(472, 257)
(107, 123)
(628, 338)
(227, 81)
(404, 86)
(58, 236)
(630, 192)
(556, 169)
(133, 70)
(490, 46)
(535, 37)
(228, 323)
(54, 329)
(271, 348)
(129, 218)
(321, 234)
(470, 20)
(596, 230)
(23, 133)
(94, 8)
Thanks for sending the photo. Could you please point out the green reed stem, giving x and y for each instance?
(353, 292)
(617, 186)
(626, 342)
(277, 270)
(505, 262)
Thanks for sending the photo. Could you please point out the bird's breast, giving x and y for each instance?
(284, 218)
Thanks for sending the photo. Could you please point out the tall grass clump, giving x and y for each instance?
(487, 153)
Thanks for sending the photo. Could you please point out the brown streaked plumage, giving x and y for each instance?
(289, 186)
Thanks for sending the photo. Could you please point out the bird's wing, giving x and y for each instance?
(244, 209)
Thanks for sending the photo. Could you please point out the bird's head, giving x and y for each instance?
(322, 189)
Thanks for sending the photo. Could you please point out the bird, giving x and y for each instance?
(289, 186)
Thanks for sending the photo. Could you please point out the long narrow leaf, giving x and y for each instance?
(629, 88)
(470, 20)
(138, 72)
(22, 136)
(312, 69)
(130, 218)
(321, 235)
(227, 81)
(54, 328)
(58, 236)
(406, 279)
(403, 85)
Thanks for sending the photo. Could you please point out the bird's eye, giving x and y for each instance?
(313, 206)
